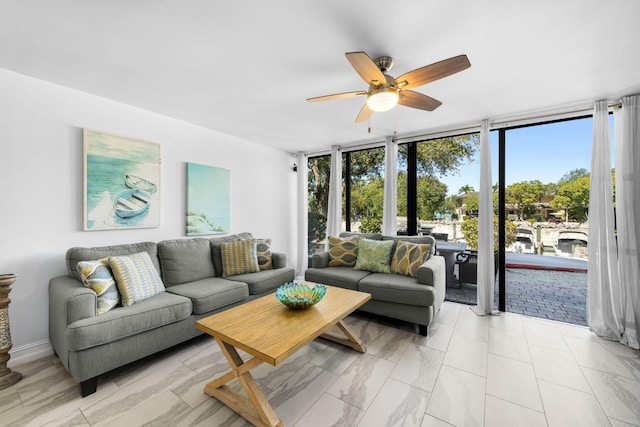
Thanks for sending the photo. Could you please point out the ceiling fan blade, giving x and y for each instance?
(433, 72)
(337, 96)
(367, 69)
(412, 99)
(364, 114)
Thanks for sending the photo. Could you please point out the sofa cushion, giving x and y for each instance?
(122, 322)
(374, 256)
(370, 236)
(408, 257)
(96, 275)
(239, 258)
(397, 288)
(185, 260)
(216, 250)
(211, 293)
(342, 277)
(343, 252)
(136, 277)
(263, 248)
(265, 280)
(77, 254)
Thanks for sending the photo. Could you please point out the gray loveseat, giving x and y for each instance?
(191, 270)
(411, 299)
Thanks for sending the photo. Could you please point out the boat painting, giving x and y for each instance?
(130, 203)
(136, 182)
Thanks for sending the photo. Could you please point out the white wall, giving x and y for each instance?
(41, 186)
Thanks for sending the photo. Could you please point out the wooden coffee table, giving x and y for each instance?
(271, 332)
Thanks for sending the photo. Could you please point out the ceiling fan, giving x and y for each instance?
(385, 92)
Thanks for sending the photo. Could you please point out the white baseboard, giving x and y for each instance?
(29, 353)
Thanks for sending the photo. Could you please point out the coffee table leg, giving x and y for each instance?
(256, 409)
(352, 340)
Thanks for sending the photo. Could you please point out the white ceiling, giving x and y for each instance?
(245, 68)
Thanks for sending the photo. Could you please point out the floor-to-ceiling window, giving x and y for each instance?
(541, 193)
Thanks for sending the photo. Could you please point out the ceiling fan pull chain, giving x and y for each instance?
(369, 131)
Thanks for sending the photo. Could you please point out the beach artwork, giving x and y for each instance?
(121, 182)
(208, 200)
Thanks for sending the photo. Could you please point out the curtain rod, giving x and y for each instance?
(515, 121)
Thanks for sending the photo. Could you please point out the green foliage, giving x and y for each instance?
(371, 225)
(443, 156)
(317, 228)
(573, 197)
(573, 175)
(524, 195)
(470, 230)
(472, 202)
(318, 183)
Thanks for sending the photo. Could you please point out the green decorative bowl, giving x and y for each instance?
(300, 295)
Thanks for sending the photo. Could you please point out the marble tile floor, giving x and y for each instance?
(504, 370)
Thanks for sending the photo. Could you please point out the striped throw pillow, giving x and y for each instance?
(408, 257)
(239, 257)
(97, 276)
(136, 277)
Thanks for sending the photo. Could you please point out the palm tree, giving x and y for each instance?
(465, 189)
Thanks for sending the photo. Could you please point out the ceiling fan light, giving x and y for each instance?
(383, 100)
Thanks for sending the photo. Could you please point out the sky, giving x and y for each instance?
(542, 152)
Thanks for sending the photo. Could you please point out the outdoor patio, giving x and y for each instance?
(549, 294)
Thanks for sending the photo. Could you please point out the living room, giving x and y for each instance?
(225, 86)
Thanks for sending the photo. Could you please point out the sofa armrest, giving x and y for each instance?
(320, 260)
(278, 260)
(70, 301)
(433, 272)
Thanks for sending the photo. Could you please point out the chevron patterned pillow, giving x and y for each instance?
(97, 276)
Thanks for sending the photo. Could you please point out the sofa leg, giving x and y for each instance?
(89, 386)
(423, 330)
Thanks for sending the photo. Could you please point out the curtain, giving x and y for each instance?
(486, 266)
(627, 151)
(303, 215)
(603, 286)
(390, 208)
(334, 210)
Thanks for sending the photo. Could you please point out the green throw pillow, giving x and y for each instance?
(408, 257)
(343, 252)
(97, 276)
(239, 257)
(374, 255)
(263, 249)
(136, 277)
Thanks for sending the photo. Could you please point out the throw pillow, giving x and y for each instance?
(343, 252)
(97, 276)
(239, 258)
(374, 255)
(408, 257)
(263, 249)
(136, 277)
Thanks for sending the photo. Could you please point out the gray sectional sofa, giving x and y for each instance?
(89, 344)
(411, 299)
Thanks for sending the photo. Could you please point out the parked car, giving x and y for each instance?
(553, 219)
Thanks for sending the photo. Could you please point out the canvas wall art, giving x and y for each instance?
(208, 200)
(121, 182)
